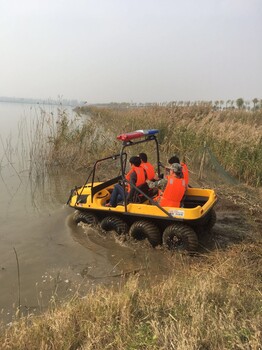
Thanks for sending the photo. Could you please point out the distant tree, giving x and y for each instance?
(255, 102)
(240, 103)
(216, 104)
(221, 102)
(228, 103)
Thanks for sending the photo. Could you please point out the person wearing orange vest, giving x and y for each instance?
(136, 176)
(175, 159)
(171, 188)
(149, 168)
(175, 188)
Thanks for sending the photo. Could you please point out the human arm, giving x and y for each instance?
(161, 184)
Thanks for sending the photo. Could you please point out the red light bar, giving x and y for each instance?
(130, 135)
(136, 134)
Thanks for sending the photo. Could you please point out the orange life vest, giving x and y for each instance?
(140, 176)
(174, 192)
(150, 171)
(129, 173)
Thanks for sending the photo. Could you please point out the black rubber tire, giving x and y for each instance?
(179, 237)
(85, 217)
(211, 220)
(113, 223)
(143, 229)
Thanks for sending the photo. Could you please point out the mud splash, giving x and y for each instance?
(117, 256)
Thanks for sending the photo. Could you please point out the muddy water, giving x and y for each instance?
(44, 256)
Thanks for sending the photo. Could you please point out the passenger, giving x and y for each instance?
(136, 176)
(175, 188)
(149, 168)
(175, 159)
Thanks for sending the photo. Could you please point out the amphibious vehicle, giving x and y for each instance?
(175, 228)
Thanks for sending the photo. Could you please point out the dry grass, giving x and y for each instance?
(212, 302)
(78, 144)
(233, 136)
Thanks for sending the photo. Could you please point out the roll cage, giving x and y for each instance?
(128, 140)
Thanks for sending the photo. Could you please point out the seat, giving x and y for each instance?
(139, 197)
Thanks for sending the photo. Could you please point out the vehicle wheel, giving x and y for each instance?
(110, 223)
(144, 229)
(211, 220)
(180, 237)
(87, 218)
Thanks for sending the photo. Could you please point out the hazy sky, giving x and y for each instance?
(131, 50)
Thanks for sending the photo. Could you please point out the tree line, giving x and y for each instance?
(239, 103)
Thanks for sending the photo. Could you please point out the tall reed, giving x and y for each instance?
(233, 136)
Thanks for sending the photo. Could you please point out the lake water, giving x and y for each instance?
(43, 255)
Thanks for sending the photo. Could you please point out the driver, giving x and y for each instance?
(136, 176)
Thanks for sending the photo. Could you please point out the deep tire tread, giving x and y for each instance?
(144, 229)
(180, 237)
(113, 223)
(87, 218)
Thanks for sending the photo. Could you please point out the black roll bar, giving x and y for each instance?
(114, 157)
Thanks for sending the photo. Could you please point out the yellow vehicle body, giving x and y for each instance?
(82, 200)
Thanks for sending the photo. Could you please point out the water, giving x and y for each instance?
(55, 258)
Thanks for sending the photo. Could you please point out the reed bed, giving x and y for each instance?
(212, 303)
(57, 140)
(233, 136)
(78, 143)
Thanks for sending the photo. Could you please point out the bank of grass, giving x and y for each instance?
(234, 136)
(210, 302)
(76, 144)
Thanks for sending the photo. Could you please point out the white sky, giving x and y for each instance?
(131, 50)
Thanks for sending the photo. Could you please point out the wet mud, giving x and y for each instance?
(234, 224)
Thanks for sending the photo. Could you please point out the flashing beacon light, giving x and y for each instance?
(136, 134)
